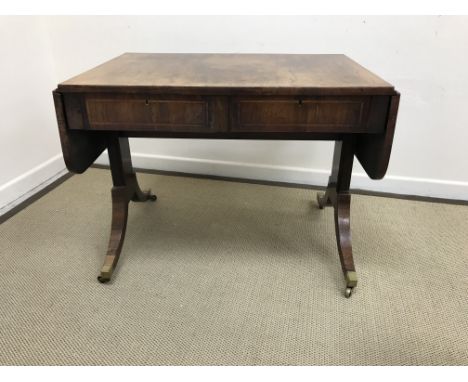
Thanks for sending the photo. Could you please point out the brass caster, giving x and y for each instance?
(349, 292)
(351, 282)
(103, 280)
(106, 274)
(149, 196)
(320, 196)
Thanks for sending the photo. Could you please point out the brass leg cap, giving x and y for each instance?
(320, 196)
(150, 196)
(351, 279)
(106, 274)
(103, 280)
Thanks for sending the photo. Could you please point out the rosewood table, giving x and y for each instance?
(227, 96)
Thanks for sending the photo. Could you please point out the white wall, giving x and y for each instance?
(29, 145)
(424, 57)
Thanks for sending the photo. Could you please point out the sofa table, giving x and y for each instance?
(227, 96)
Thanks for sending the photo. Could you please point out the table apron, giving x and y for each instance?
(173, 115)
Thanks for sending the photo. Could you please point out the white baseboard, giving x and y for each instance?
(26, 185)
(392, 184)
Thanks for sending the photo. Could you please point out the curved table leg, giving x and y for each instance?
(337, 195)
(117, 235)
(138, 194)
(125, 188)
(343, 241)
(324, 199)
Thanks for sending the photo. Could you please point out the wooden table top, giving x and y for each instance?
(228, 74)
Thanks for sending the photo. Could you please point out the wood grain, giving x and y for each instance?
(337, 195)
(225, 74)
(147, 114)
(228, 96)
(79, 149)
(373, 150)
(308, 115)
(125, 188)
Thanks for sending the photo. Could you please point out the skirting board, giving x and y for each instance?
(30, 183)
(390, 184)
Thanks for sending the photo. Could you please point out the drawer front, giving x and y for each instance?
(305, 115)
(148, 114)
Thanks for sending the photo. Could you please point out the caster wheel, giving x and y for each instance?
(320, 195)
(152, 197)
(348, 292)
(103, 280)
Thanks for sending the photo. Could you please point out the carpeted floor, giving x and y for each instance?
(224, 273)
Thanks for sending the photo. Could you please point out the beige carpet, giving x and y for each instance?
(223, 273)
